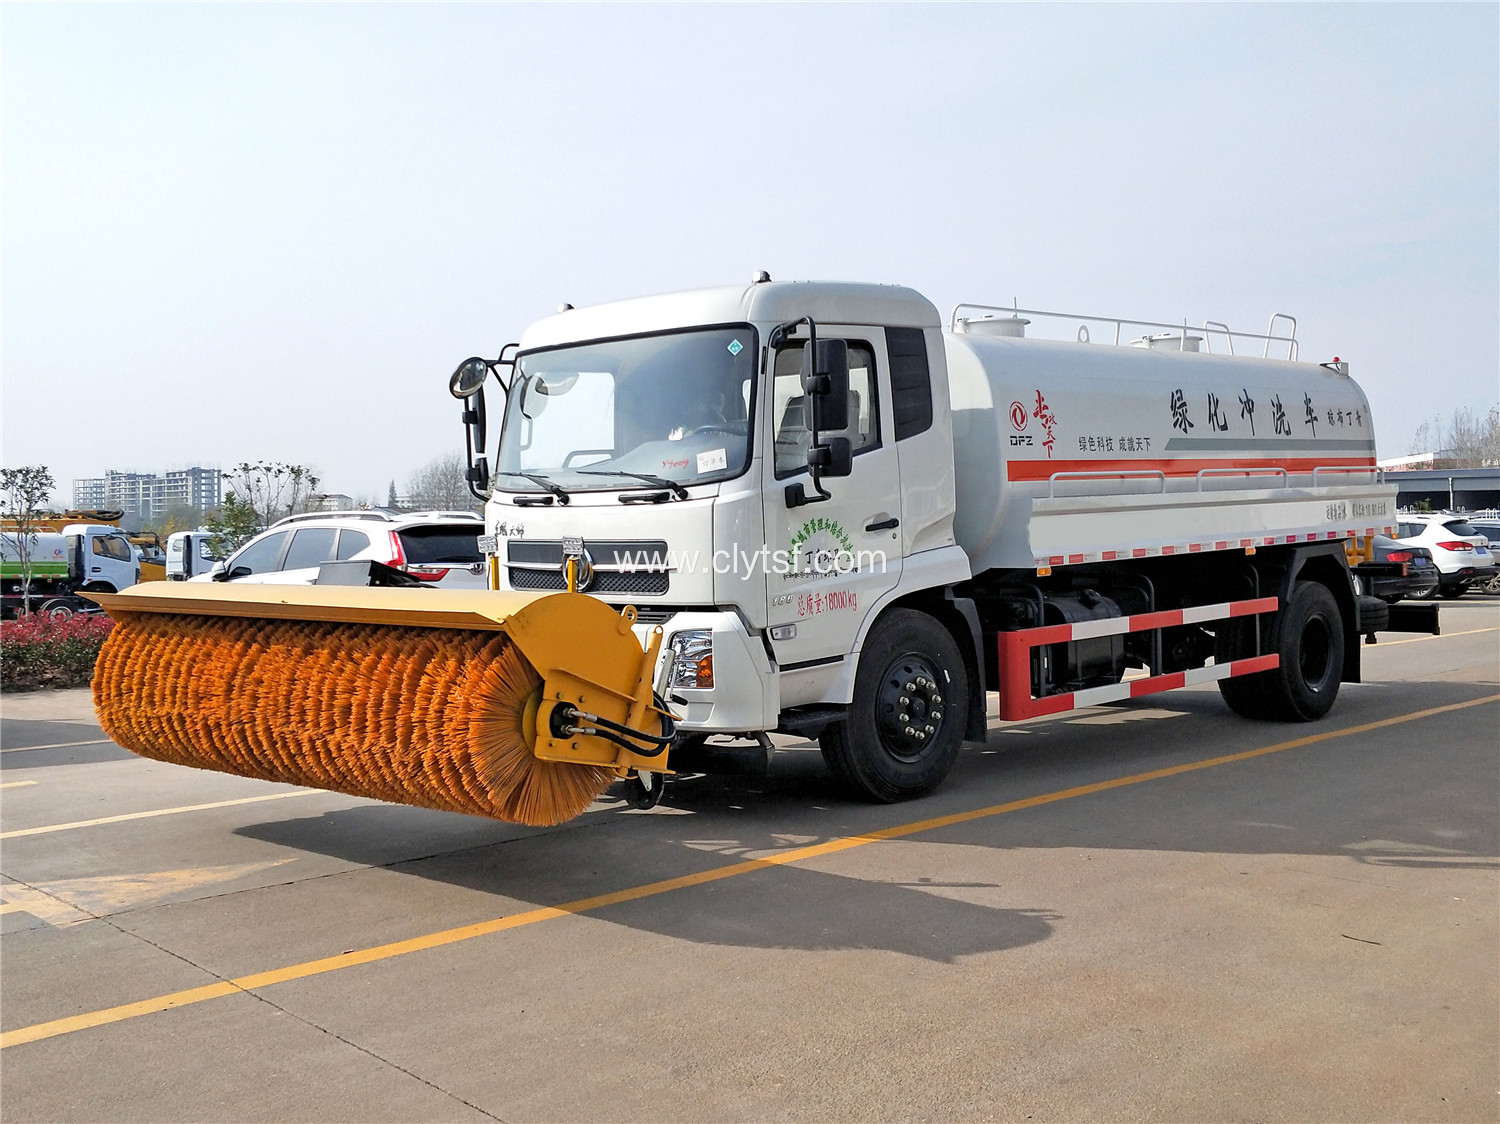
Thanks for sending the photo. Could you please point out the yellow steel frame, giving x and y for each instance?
(585, 651)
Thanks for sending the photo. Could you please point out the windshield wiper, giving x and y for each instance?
(655, 481)
(542, 482)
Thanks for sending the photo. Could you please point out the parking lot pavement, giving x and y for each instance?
(1155, 910)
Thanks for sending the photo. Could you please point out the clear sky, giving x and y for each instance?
(271, 231)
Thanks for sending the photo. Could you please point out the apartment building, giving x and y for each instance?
(144, 497)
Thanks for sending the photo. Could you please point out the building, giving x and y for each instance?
(1447, 489)
(145, 498)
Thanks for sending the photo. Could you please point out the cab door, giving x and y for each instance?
(830, 561)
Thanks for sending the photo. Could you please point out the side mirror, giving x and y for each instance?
(468, 378)
(825, 379)
(218, 573)
(834, 457)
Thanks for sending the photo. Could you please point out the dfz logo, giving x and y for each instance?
(1020, 439)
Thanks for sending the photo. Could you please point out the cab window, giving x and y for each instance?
(112, 546)
(789, 407)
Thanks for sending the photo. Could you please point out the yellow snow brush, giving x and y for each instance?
(520, 707)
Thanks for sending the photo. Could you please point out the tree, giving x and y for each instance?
(233, 524)
(391, 500)
(1465, 441)
(177, 517)
(24, 490)
(441, 486)
(273, 490)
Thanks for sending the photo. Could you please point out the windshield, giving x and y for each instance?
(674, 408)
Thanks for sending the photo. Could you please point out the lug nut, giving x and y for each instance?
(905, 701)
(903, 717)
(910, 687)
(936, 716)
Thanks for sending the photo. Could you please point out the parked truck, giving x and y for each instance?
(189, 553)
(810, 508)
(82, 558)
(852, 523)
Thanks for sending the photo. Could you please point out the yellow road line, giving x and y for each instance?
(16, 784)
(158, 812)
(1423, 639)
(55, 745)
(39, 1031)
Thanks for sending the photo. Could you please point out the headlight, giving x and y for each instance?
(694, 652)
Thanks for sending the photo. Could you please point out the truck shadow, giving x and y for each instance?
(1405, 797)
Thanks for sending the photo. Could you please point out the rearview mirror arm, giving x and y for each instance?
(474, 437)
(796, 494)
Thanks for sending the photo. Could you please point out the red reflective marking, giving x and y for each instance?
(1139, 552)
(1253, 664)
(1251, 608)
(1194, 547)
(1074, 558)
(1157, 683)
(1042, 469)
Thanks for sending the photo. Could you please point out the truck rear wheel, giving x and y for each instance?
(905, 724)
(1309, 637)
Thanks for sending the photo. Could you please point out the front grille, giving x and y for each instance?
(650, 582)
(620, 566)
(641, 554)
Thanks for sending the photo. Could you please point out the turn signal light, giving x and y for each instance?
(1456, 545)
(1398, 556)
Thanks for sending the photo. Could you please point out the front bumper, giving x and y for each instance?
(745, 696)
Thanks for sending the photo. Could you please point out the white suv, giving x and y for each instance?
(441, 547)
(1462, 553)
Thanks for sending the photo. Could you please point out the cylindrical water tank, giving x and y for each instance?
(1032, 417)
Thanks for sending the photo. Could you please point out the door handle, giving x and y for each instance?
(884, 524)
(93, 569)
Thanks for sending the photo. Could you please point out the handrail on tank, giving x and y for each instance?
(1121, 474)
(1220, 327)
(1266, 470)
(1347, 468)
(1268, 338)
(1291, 351)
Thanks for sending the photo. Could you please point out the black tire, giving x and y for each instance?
(1374, 615)
(873, 752)
(1244, 693)
(1308, 635)
(1453, 592)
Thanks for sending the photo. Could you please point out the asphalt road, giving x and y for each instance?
(1152, 911)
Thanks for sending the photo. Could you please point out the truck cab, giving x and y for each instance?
(102, 558)
(188, 554)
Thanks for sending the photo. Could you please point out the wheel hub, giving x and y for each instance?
(910, 707)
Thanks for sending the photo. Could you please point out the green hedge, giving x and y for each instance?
(40, 651)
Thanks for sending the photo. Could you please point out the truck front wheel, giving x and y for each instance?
(905, 724)
(1309, 638)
